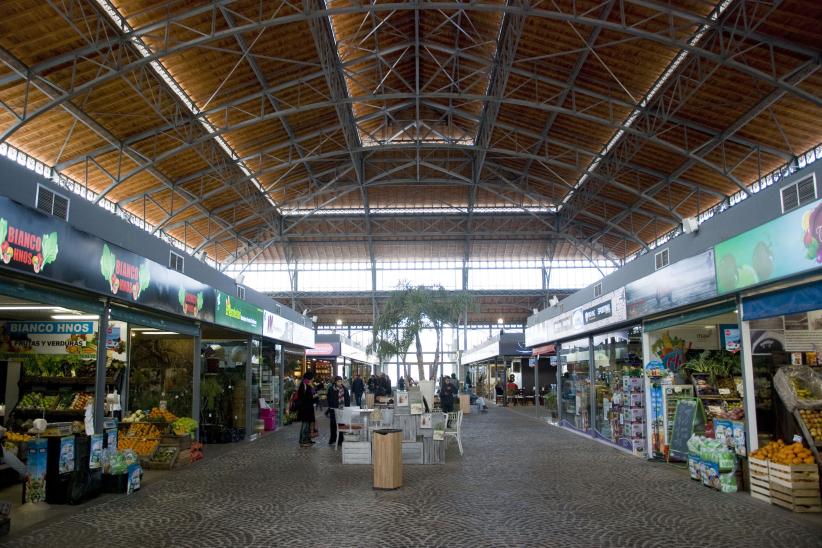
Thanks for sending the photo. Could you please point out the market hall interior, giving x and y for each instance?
(520, 482)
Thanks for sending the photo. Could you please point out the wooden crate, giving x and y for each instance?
(795, 486)
(356, 452)
(759, 479)
(183, 442)
(412, 452)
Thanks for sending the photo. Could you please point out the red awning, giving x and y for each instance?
(544, 350)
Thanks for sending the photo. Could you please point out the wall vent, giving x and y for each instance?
(52, 203)
(798, 194)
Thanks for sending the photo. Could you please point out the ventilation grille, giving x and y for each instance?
(661, 259)
(799, 194)
(175, 261)
(51, 203)
(597, 290)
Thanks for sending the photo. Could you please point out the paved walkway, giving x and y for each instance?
(520, 483)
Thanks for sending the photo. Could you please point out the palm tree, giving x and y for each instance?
(408, 311)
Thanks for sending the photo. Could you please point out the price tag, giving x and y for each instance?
(797, 438)
(724, 391)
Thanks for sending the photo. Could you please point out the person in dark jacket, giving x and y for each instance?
(358, 387)
(305, 408)
(446, 395)
(337, 397)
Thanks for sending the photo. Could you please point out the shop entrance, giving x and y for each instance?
(699, 360)
(228, 358)
(50, 362)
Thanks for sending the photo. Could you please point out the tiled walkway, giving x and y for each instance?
(520, 483)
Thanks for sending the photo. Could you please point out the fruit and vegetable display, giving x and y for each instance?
(82, 400)
(165, 455)
(733, 411)
(162, 414)
(72, 366)
(74, 401)
(143, 430)
(184, 425)
(782, 453)
(136, 416)
(800, 389)
(17, 438)
(813, 421)
(143, 447)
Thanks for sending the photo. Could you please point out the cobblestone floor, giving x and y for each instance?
(520, 483)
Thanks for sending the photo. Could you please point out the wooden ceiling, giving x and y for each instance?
(237, 126)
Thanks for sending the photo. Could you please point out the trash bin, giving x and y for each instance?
(386, 456)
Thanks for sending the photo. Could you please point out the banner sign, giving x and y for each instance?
(329, 349)
(40, 245)
(303, 336)
(605, 310)
(782, 247)
(57, 338)
(277, 327)
(238, 314)
(684, 282)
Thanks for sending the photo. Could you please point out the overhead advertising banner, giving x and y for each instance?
(276, 327)
(68, 338)
(302, 336)
(782, 247)
(37, 244)
(329, 349)
(237, 314)
(684, 282)
(603, 311)
(513, 344)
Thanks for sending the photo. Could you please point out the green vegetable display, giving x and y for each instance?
(184, 425)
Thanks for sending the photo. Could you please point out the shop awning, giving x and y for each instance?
(792, 300)
(544, 350)
(689, 316)
(138, 317)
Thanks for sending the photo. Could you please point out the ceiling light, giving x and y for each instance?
(143, 329)
(499, 321)
(160, 333)
(75, 317)
(339, 321)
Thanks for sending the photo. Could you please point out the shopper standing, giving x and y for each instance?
(358, 387)
(305, 408)
(446, 395)
(337, 397)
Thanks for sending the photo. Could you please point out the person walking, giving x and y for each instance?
(446, 395)
(358, 387)
(337, 397)
(305, 408)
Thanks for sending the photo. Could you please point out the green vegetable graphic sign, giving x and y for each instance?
(21, 247)
(191, 303)
(29, 245)
(123, 276)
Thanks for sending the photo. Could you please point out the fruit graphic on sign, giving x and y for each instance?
(812, 233)
(30, 250)
(124, 275)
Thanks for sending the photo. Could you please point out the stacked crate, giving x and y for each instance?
(791, 486)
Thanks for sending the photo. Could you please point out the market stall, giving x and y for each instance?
(333, 354)
(496, 360)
